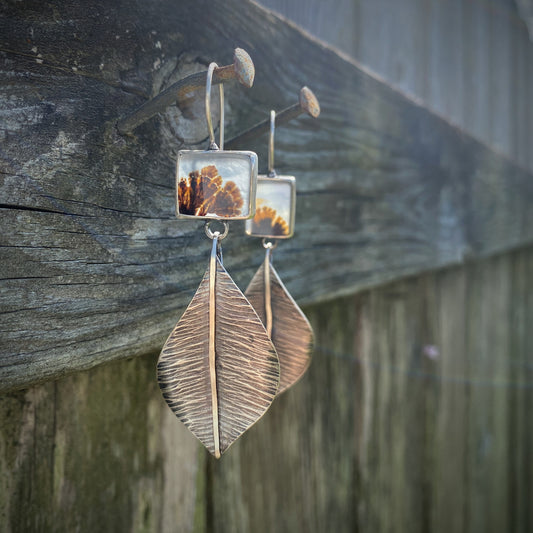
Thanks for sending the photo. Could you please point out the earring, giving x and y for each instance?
(284, 321)
(218, 370)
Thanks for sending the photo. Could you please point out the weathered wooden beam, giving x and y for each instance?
(94, 265)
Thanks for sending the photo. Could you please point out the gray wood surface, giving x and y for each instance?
(413, 417)
(94, 265)
(468, 60)
(526, 12)
(99, 451)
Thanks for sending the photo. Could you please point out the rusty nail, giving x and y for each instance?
(307, 103)
(242, 69)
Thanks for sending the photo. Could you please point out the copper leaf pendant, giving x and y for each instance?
(285, 322)
(218, 370)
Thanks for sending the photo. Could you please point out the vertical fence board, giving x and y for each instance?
(98, 451)
(395, 409)
(451, 367)
(476, 68)
(520, 463)
(489, 358)
(520, 372)
(294, 470)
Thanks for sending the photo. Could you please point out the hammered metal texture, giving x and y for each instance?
(292, 334)
(246, 365)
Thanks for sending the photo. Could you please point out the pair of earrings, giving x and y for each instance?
(231, 353)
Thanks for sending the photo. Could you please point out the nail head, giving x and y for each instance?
(244, 67)
(309, 102)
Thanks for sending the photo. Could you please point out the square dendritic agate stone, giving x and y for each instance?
(216, 184)
(274, 208)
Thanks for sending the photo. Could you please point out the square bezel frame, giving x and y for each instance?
(226, 154)
(291, 180)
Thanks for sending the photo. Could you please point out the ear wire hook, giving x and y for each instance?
(208, 85)
(271, 171)
(221, 132)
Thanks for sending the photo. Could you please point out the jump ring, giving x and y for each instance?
(269, 245)
(213, 234)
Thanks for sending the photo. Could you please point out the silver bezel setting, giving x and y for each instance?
(212, 155)
(291, 180)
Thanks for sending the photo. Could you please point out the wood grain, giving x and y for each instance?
(246, 369)
(94, 265)
(291, 332)
(413, 417)
(97, 451)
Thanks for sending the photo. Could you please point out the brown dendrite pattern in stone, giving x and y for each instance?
(268, 222)
(202, 193)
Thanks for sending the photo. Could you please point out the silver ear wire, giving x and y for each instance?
(221, 133)
(208, 84)
(271, 171)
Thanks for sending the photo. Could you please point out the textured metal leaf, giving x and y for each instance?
(246, 369)
(291, 333)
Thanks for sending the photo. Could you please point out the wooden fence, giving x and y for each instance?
(414, 414)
